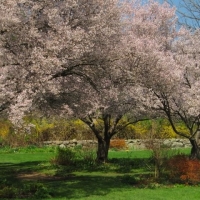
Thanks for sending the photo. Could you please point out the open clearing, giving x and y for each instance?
(30, 170)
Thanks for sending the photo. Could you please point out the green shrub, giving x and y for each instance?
(87, 155)
(8, 192)
(64, 156)
(41, 191)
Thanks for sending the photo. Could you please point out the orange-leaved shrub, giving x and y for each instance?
(184, 169)
(118, 144)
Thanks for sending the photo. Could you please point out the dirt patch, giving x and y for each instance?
(38, 176)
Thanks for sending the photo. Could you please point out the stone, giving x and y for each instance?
(66, 142)
(47, 142)
(130, 141)
(177, 144)
(130, 145)
(57, 142)
(167, 143)
(62, 146)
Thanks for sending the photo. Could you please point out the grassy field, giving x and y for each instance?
(28, 173)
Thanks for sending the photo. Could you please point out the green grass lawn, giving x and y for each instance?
(29, 171)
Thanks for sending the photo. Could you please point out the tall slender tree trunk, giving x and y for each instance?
(102, 151)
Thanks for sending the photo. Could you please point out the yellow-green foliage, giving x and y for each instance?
(58, 129)
(82, 130)
(72, 129)
(41, 125)
(142, 127)
(165, 129)
(44, 129)
(160, 128)
(5, 128)
(182, 128)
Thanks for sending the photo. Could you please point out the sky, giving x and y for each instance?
(177, 4)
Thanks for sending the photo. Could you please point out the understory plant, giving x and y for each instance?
(183, 169)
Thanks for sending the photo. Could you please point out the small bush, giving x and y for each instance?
(88, 155)
(8, 192)
(64, 156)
(118, 144)
(185, 170)
(41, 191)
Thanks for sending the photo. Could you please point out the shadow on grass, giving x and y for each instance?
(80, 186)
(67, 185)
(9, 172)
(127, 165)
(115, 165)
(90, 179)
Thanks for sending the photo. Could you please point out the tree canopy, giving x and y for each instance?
(98, 58)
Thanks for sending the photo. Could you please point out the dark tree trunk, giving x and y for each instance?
(103, 136)
(195, 151)
(102, 151)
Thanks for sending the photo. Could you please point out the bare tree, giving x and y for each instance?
(189, 13)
